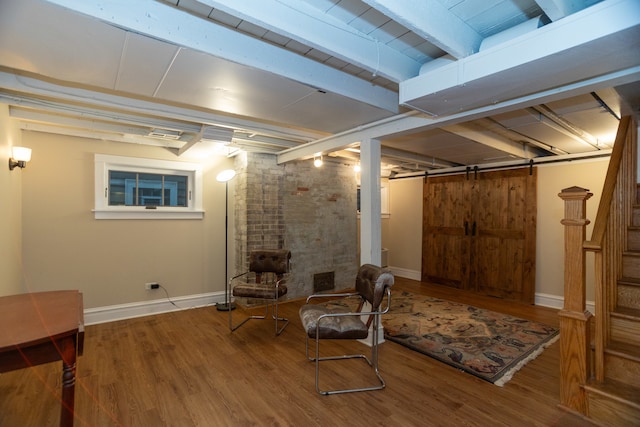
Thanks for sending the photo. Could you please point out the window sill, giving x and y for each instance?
(147, 214)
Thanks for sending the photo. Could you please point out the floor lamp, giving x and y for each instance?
(225, 176)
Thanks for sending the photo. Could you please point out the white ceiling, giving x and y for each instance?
(441, 83)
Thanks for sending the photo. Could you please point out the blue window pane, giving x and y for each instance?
(147, 189)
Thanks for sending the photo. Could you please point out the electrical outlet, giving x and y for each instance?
(151, 285)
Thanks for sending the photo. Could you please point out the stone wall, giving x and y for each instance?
(310, 211)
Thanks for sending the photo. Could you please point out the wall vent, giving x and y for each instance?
(324, 281)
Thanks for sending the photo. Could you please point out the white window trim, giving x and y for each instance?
(104, 163)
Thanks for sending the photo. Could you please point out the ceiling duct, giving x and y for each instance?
(218, 134)
(513, 32)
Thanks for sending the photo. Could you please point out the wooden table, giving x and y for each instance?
(44, 327)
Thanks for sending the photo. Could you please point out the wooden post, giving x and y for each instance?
(574, 318)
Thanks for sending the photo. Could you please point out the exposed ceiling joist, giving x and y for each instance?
(497, 128)
(85, 123)
(26, 107)
(85, 97)
(434, 23)
(413, 158)
(248, 138)
(160, 21)
(553, 56)
(280, 75)
(474, 132)
(403, 123)
(558, 9)
(101, 136)
(551, 119)
(301, 22)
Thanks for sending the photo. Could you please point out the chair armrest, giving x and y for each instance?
(342, 295)
(359, 313)
(237, 276)
(388, 306)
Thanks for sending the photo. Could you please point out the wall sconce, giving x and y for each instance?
(357, 168)
(317, 160)
(20, 157)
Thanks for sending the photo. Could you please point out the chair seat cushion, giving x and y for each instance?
(338, 327)
(257, 290)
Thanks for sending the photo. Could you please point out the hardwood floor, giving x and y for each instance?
(186, 369)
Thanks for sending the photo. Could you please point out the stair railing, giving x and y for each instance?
(608, 241)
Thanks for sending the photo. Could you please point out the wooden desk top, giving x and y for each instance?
(32, 318)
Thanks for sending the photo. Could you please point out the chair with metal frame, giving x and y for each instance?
(265, 283)
(323, 321)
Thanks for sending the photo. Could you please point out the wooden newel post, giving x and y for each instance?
(574, 318)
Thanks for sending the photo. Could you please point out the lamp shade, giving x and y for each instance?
(21, 154)
(225, 175)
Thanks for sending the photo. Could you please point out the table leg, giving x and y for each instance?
(68, 383)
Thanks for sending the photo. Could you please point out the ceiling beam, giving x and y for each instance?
(307, 25)
(160, 21)
(101, 136)
(596, 41)
(413, 121)
(25, 106)
(431, 20)
(477, 133)
(409, 157)
(393, 155)
(18, 85)
(86, 123)
(558, 9)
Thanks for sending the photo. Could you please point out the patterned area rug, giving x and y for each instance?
(489, 345)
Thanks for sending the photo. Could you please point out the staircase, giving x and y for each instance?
(615, 400)
(600, 355)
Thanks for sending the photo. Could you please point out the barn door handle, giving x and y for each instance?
(473, 229)
(466, 228)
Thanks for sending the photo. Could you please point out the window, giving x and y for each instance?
(133, 188)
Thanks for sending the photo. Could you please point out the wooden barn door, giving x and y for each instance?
(445, 246)
(479, 232)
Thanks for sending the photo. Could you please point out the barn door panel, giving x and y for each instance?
(479, 232)
(503, 248)
(445, 246)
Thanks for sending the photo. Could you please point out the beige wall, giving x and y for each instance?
(403, 232)
(110, 260)
(552, 179)
(404, 227)
(54, 241)
(11, 272)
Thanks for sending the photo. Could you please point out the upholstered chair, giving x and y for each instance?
(264, 284)
(322, 320)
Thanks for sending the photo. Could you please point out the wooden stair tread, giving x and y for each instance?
(616, 390)
(624, 349)
(627, 312)
(629, 281)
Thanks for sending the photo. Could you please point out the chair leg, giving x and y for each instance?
(274, 316)
(373, 362)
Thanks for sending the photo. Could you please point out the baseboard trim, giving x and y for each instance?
(556, 301)
(408, 274)
(112, 313)
(541, 299)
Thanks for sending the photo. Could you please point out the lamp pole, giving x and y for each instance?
(225, 176)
